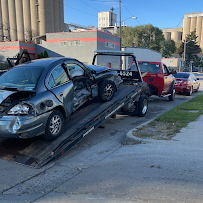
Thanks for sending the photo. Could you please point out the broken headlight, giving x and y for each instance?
(19, 109)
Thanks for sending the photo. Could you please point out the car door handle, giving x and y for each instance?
(61, 94)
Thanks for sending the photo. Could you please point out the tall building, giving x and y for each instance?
(191, 22)
(23, 20)
(106, 19)
(173, 33)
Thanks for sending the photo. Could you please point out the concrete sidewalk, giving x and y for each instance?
(160, 171)
(157, 172)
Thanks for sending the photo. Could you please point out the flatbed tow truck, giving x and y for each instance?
(129, 99)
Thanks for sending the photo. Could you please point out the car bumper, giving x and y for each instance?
(23, 126)
(182, 89)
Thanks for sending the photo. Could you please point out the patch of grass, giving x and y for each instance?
(178, 115)
(170, 123)
(182, 113)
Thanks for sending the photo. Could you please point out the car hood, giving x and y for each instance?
(15, 94)
(4, 94)
(98, 69)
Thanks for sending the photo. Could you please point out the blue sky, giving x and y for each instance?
(159, 13)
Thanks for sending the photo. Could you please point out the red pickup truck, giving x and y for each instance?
(160, 81)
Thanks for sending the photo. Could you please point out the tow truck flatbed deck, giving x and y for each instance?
(36, 152)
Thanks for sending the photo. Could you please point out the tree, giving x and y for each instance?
(38, 56)
(41, 55)
(147, 36)
(17, 55)
(178, 47)
(192, 49)
(168, 48)
(46, 54)
(152, 36)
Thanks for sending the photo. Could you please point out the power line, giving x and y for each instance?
(180, 22)
(129, 11)
(89, 5)
(80, 11)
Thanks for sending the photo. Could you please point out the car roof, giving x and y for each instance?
(46, 62)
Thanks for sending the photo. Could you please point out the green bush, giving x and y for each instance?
(38, 56)
(41, 55)
(46, 54)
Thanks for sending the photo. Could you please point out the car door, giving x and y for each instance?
(82, 80)
(168, 79)
(195, 82)
(62, 87)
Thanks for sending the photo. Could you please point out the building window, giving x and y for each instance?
(71, 43)
(110, 45)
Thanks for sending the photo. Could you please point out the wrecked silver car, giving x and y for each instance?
(35, 97)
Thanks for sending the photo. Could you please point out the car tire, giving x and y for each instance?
(197, 89)
(172, 96)
(142, 106)
(54, 125)
(190, 92)
(107, 90)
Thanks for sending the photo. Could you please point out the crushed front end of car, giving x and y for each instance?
(18, 118)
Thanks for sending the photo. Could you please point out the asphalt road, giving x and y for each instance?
(100, 169)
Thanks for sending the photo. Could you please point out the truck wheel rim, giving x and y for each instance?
(144, 109)
(108, 90)
(55, 124)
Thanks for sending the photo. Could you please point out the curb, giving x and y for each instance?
(130, 139)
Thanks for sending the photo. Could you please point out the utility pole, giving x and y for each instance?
(184, 52)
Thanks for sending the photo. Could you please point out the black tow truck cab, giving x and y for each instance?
(129, 99)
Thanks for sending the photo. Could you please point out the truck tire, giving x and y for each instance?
(54, 125)
(142, 106)
(172, 96)
(106, 90)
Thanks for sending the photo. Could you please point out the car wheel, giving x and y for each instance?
(142, 106)
(190, 92)
(54, 125)
(172, 96)
(107, 90)
(197, 89)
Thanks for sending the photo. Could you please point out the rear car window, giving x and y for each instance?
(153, 67)
(181, 75)
(22, 77)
